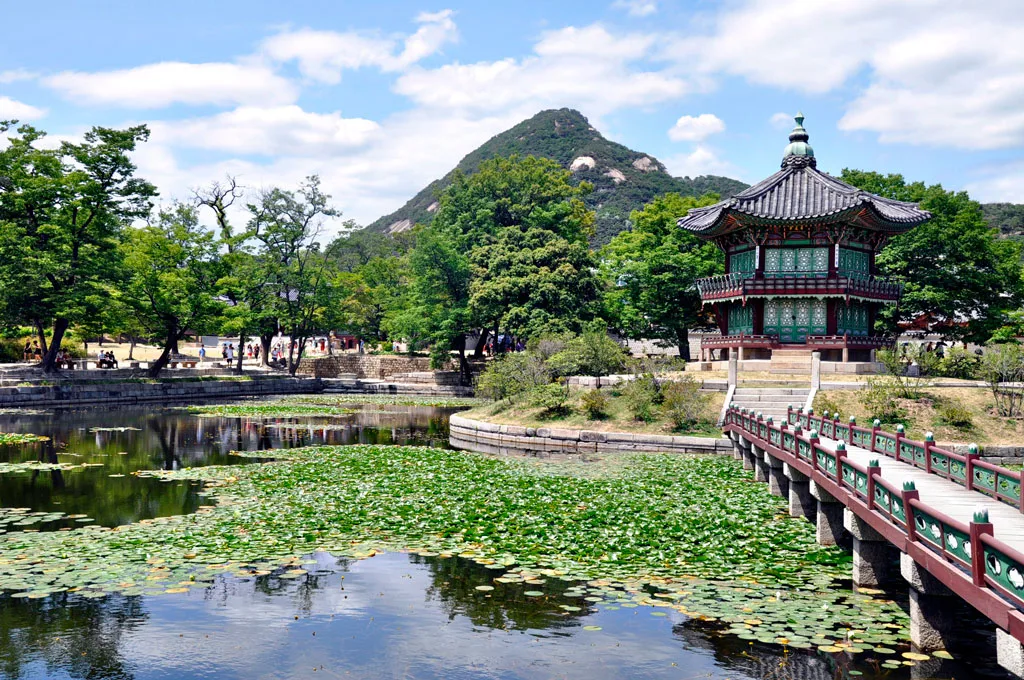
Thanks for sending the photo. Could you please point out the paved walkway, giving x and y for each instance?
(944, 495)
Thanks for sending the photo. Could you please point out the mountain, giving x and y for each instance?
(624, 180)
(1008, 218)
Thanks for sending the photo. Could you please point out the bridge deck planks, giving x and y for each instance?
(944, 495)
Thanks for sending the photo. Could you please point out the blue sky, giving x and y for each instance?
(380, 98)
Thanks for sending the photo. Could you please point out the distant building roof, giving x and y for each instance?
(799, 192)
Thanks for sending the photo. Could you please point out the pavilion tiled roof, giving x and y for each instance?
(800, 192)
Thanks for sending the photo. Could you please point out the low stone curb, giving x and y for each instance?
(131, 393)
(409, 389)
(484, 437)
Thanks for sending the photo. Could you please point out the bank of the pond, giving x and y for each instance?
(138, 392)
(693, 527)
(474, 434)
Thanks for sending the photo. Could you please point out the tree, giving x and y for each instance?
(287, 226)
(173, 269)
(955, 270)
(507, 249)
(62, 212)
(651, 270)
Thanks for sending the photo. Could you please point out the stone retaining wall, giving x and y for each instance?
(543, 442)
(363, 365)
(73, 394)
(412, 389)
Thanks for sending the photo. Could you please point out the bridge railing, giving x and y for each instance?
(968, 549)
(967, 470)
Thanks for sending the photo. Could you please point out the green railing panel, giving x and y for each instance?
(794, 417)
(862, 483)
(884, 442)
(843, 432)
(958, 471)
(1008, 486)
(828, 428)
(775, 437)
(958, 544)
(940, 462)
(919, 458)
(862, 439)
(898, 512)
(883, 499)
(803, 449)
(984, 479)
(908, 451)
(827, 462)
(928, 528)
(1005, 572)
(789, 442)
(763, 430)
(849, 475)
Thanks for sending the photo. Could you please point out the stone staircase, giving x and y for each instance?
(771, 401)
(789, 361)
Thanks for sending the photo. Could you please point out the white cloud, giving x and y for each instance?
(696, 128)
(324, 55)
(637, 8)
(586, 68)
(14, 75)
(781, 121)
(938, 72)
(282, 130)
(158, 85)
(13, 109)
(701, 161)
(999, 184)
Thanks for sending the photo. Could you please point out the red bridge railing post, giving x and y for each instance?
(910, 493)
(873, 469)
(979, 527)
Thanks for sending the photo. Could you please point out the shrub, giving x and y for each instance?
(823, 402)
(683, 402)
(511, 375)
(908, 369)
(640, 396)
(548, 346)
(595, 404)
(553, 398)
(955, 415)
(880, 399)
(592, 353)
(1002, 367)
(958, 363)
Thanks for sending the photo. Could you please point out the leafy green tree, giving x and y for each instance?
(62, 212)
(506, 250)
(651, 272)
(173, 269)
(955, 270)
(286, 227)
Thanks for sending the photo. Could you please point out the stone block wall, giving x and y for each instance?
(375, 366)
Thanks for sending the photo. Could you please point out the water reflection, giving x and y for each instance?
(390, 616)
(122, 441)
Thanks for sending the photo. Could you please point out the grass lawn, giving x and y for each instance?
(619, 419)
(923, 415)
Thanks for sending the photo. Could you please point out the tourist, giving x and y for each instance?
(27, 354)
(361, 350)
(224, 351)
(256, 352)
(202, 353)
(231, 354)
(248, 351)
(323, 345)
(111, 360)
(37, 351)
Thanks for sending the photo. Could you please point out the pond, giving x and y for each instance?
(87, 462)
(394, 614)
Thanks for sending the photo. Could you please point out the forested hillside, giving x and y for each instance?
(624, 180)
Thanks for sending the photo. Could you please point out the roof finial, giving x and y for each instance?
(798, 153)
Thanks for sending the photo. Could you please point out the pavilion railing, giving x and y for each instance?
(742, 284)
(969, 551)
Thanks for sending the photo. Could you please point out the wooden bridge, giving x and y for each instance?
(956, 520)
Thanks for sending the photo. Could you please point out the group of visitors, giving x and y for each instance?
(106, 360)
(502, 344)
(64, 359)
(32, 351)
